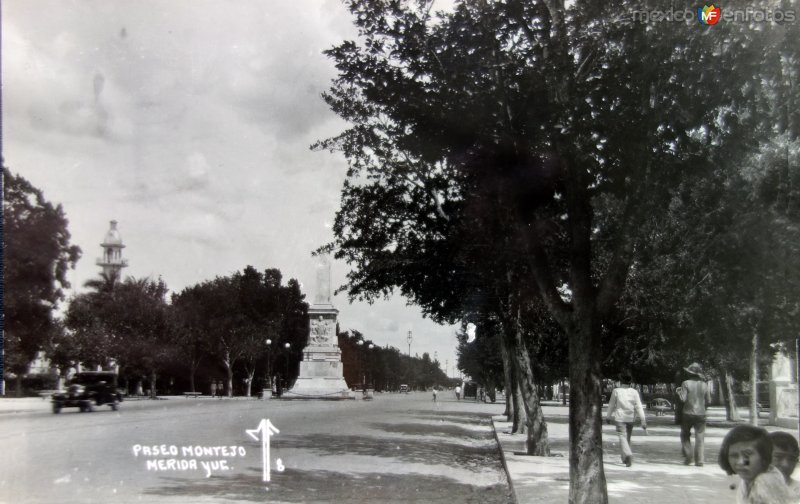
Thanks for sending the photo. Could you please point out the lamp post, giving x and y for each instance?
(369, 365)
(358, 355)
(269, 363)
(286, 376)
(409, 339)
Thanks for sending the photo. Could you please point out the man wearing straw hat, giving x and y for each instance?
(695, 395)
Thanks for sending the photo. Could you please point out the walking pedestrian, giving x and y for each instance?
(785, 452)
(747, 451)
(458, 393)
(624, 404)
(434, 395)
(694, 394)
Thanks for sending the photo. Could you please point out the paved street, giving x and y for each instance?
(397, 448)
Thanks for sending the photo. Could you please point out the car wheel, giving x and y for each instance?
(89, 406)
(56, 408)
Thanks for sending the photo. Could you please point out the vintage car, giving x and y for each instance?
(87, 390)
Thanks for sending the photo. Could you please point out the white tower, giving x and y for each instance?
(112, 261)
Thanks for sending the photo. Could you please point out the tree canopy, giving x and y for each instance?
(573, 123)
(38, 255)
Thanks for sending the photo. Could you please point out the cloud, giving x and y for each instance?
(189, 123)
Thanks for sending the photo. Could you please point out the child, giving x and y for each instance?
(622, 407)
(785, 452)
(747, 452)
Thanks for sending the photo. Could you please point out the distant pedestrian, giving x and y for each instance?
(624, 404)
(785, 452)
(434, 395)
(458, 393)
(694, 394)
(747, 451)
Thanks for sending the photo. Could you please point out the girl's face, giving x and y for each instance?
(784, 461)
(745, 460)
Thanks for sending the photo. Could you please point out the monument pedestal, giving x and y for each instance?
(782, 393)
(321, 370)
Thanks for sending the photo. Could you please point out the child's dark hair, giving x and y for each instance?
(745, 433)
(625, 378)
(784, 441)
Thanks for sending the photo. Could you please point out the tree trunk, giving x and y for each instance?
(250, 374)
(192, 372)
(229, 369)
(226, 361)
(520, 416)
(537, 428)
(18, 382)
(153, 394)
(731, 411)
(587, 477)
(509, 390)
(754, 380)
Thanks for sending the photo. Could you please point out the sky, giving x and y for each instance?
(189, 122)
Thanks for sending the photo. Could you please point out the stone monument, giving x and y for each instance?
(321, 371)
(782, 391)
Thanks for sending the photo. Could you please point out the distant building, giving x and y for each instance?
(112, 261)
(112, 264)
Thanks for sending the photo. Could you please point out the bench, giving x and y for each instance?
(660, 405)
(192, 394)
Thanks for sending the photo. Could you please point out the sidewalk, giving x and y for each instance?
(657, 476)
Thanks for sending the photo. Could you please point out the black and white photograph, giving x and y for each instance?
(392, 251)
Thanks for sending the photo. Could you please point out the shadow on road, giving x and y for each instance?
(471, 458)
(329, 486)
(438, 429)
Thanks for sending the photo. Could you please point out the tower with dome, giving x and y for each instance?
(112, 261)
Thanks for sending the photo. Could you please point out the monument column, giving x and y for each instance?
(321, 371)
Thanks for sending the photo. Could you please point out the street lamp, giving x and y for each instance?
(287, 346)
(269, 363)
(369, 365)
(358, 355)
(409, 339)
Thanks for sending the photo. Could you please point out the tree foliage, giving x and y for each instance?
(126, 323)
(37, 257)
(386, 368)
(230, 318)
(578, 122)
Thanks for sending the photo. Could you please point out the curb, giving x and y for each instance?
(505, 465)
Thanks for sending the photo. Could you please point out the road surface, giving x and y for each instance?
(396, 448)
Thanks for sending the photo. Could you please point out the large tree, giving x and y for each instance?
(230, 318)
(583, 121)
(126, 323)
(37, 256)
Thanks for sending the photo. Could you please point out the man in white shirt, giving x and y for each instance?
(624, 404)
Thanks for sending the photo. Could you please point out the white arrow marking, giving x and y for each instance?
(267, 430)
